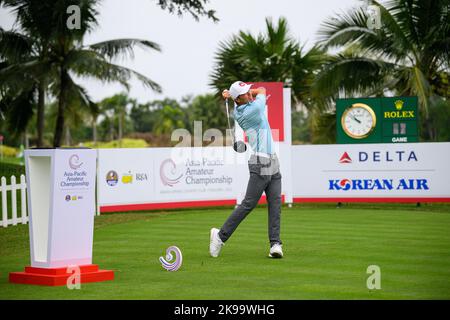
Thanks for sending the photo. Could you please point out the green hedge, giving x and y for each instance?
(9, 169)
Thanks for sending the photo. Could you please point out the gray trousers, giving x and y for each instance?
(264, 176)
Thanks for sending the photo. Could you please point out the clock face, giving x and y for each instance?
(358, 120)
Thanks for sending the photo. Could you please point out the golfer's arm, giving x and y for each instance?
(260, 90)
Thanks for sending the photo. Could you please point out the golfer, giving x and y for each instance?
(263, 165)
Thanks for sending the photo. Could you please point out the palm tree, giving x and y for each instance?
(273, 56)
(21, 91)
(64, 54)
(58, 54)
(407, 55)
(116, 107)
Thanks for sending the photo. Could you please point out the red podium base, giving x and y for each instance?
(59, 276)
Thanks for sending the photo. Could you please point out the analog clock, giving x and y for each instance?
(358, 120)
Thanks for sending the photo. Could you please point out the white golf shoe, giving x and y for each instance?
(215, 243)
(276, 251)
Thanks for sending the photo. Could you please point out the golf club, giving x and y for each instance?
(238, 146)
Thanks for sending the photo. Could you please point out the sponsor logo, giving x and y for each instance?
(398, 105)
(378, 184)
(379, 156)
(399, 113)
(168, 173)
(141, 177)
(345, 158)
(112, 178)
(73, 198)
(127, 178)
(74, 162)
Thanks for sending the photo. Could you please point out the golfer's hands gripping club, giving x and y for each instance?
(226, 94)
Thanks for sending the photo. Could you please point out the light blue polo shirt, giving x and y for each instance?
(252, 119)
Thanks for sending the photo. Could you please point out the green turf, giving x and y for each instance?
(327, 252)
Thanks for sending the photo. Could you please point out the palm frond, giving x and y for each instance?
(420, 87)
(88, 63)
(14, 46)
(19, 109)
(118, 47)
(79, 101)
(355, 74)
(343, 29)
(347, 29)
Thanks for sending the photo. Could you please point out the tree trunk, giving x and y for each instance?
(431, 132)
(111, 129)
(40, 115)
(62, 102)
(68, 137)
(120, 129)
(26, 141)
(94, 130)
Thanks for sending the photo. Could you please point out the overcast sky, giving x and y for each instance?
(188, 47)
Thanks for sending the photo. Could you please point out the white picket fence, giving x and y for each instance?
(13, 187)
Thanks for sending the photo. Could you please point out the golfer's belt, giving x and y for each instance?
(265, 155)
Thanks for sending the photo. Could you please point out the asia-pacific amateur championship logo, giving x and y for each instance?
(74, 162)
(75, 177)
(168, 173)
(202, 172)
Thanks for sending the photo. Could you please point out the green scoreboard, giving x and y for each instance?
(377, 120)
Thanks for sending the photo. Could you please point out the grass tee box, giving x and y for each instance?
(327, 254)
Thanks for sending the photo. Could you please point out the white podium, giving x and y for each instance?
(61, 203)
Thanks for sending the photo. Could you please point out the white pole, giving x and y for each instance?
(4, 204)
(23, 197)
(14, 200)
(97, 204)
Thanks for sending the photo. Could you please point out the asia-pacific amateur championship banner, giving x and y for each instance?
(134, 179)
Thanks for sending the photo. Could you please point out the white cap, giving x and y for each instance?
(239, 88)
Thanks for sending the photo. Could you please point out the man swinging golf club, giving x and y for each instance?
(263, 165)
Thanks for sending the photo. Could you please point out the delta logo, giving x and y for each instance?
(379, 156)
(377, 184)
(345, 158)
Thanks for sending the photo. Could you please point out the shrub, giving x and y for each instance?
(9, 151)
(126, 143)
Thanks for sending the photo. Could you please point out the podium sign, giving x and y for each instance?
(62, 206)
(61, 202)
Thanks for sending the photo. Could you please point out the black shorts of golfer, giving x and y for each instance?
(263, 165)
